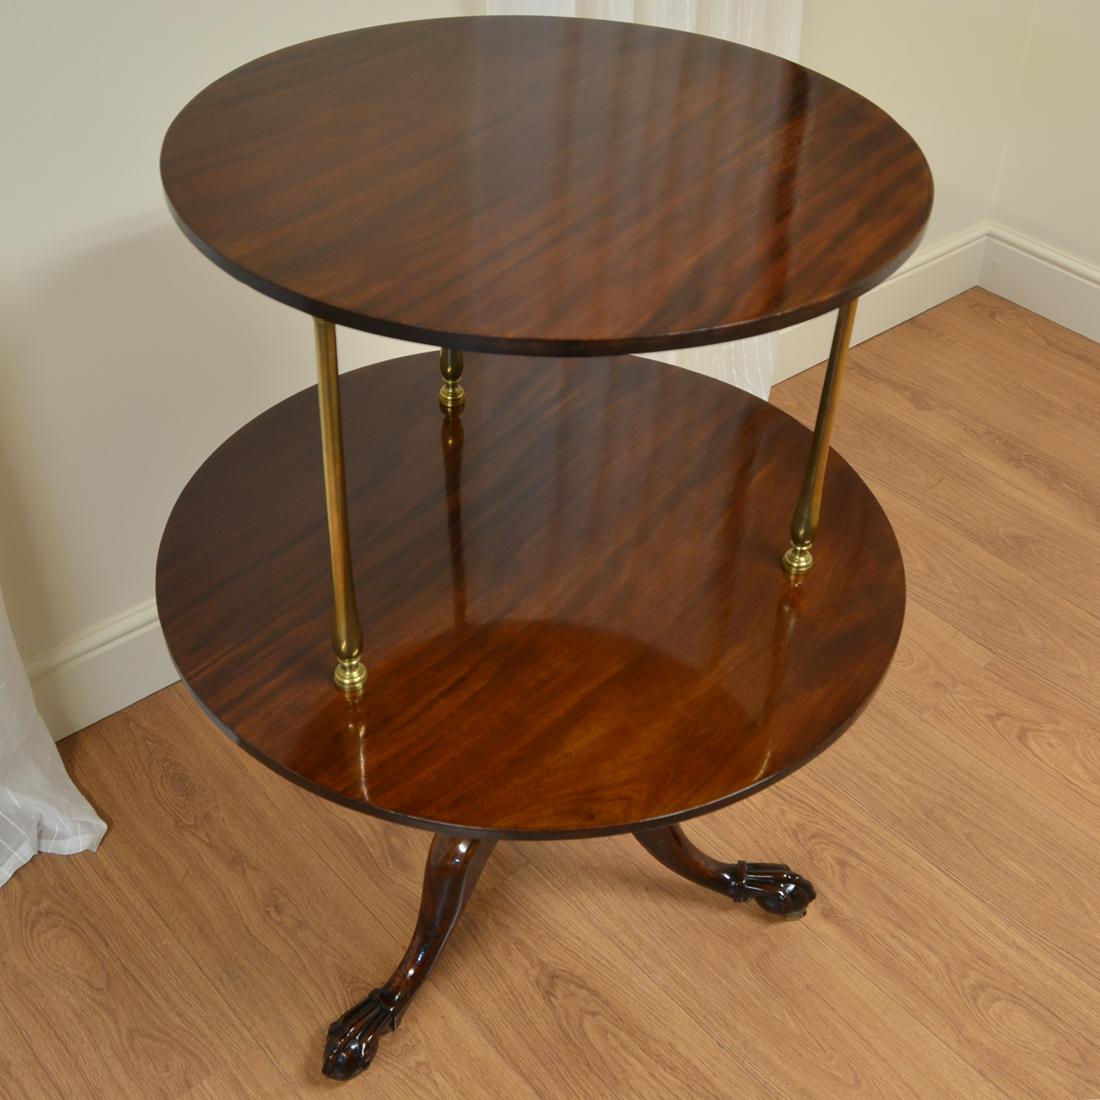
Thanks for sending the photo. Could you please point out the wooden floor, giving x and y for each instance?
(953, 835)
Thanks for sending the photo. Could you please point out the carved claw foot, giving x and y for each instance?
(353, 1039)
(773, 886)
(454, 864)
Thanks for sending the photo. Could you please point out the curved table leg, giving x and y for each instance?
(773, 886)
(454, 864)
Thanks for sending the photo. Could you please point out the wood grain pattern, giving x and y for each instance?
(572, 1018)
(125, 1040)
(254, 1077)
(778, 997)
(964, 690)
(267, 921)
(969, 977)
(773, 886)
(576, 621)
(545, 186)
(24, 1073)
(453, 868)
(585, 969)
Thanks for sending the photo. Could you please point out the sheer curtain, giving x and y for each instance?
(774, 25)
(40, 809)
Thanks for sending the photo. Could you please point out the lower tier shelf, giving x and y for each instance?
(575, 615)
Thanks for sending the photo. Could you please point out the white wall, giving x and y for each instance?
(1001, 96)
(1050, 183)
(125, 357)
(1045, 234)
(948, 72)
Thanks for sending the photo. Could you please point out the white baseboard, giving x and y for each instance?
(1055, 285)
(125, 659)
(1048, 282)
(927, 278)
(98, 673)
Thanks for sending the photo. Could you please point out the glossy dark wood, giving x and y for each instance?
(773, 886)
(544, 185)
(454, 866)
(576, 619)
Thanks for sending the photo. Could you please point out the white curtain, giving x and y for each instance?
(40, 809)
(774, 25)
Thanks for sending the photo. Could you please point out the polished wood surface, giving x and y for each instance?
(206, 943)
(545, 186)
(454, 865)
(773, 886)
(453, 868)
(576, 621)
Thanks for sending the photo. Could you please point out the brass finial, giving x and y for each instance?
(451, 394)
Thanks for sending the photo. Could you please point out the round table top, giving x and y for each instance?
(575, 617)
(545, 186)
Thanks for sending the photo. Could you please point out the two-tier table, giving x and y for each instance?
(565, 591)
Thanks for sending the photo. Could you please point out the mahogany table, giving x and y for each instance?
(578, 615)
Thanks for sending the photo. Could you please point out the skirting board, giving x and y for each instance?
(101, 672)
(1057, 286)
(126, 659)
(1048, 282)
(927, 278)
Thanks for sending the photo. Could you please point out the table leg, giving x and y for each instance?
(347, 635)
(798, 558)
(773, 886)
(454, 864)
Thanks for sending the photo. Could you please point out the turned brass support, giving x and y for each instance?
(347, 634)
(451, 394)
(798, 558)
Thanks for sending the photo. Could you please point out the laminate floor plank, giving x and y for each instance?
(1032, 734)
(772, 997)
(935, 946)
(575, 1013)
(254, 1077)
(1047, 541)
(24, 1072)
(119, 1006)
(1015, 616)
(983, 808)
(1047, 368)
(952, 834)
(1014, 613)
(257, 907)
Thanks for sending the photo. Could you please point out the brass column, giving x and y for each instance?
(798, 558)
(451, 393)
(347, 634)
